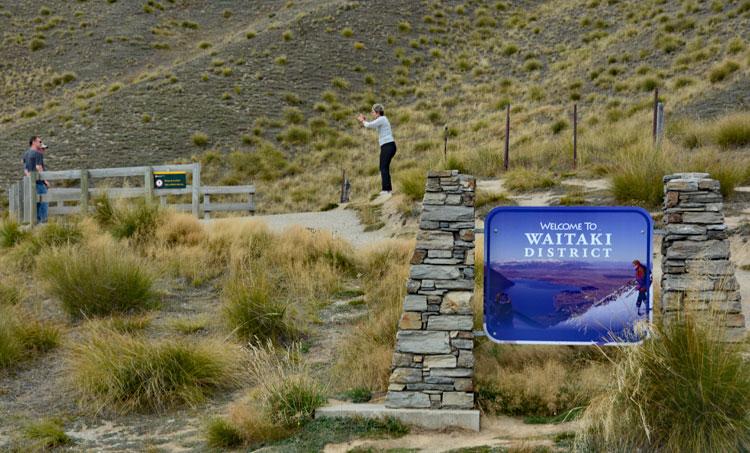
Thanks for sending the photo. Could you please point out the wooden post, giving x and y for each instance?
(148, 184)
(11, 201)
(206, 206)
(31, 197)
(656, 106)
(19, 201)
(197, 190)
(84, 192)
(659, 124)
(575, 136)
(507, 138)
(445, 146)
(163, 201)
(251, 201)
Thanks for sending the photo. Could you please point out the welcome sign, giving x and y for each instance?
(567, 275)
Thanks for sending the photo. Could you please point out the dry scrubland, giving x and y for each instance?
(234, 333)
(272, 113)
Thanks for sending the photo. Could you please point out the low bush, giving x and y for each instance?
(730, 174)
(639, 174)
(412, 183)
(97, 280)
(682, 389)
(253, 310)
(180, 229)
(722, 70)
(222, 434)
(46, 434)
(22, 336)
(199, 138)
(136, 221)
(126, 373)
(733, 131)
(59, 233)
(11, 233)
(9, 293)
(526, 179)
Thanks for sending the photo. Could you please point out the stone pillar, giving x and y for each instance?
(433, 365)
(697, 275)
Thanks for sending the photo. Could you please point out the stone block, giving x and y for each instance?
(440, 253)
(464, 384)
(424, 387)
(412, 286)
(709, 184)
(685, 229)
(396, 387)
(466, 283)
(447, 213)
(407, 399)
(671, 199)
(702, 217)
(435, 240)
(434, 272)
(443, 261)
(456, 303)
(712, 250)
(440, 361)
(682, 185)
(709, 267)
(405, 375)
(734, 320)
(428, 284)
(428, 225)
(687, 283)
(465, 359)
(454, 199)
(452, 372)
(469, 259)
(735, 334)
(402, 360)
(415, 302)
(434, 198)
(418, 256)
(460, 400)
(411, 320)
(440, 173)
(433, 185)
(423, 342)
(450, 322)
(462, 343)
(439, 380)
(466, 235)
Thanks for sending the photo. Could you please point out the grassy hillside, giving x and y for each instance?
(268, 94)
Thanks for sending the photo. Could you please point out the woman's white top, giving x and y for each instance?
(381, 123)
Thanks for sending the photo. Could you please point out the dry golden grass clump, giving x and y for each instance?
(364, 359)
(682, 389)
(23, 336)
(97, 280)
(113, 371)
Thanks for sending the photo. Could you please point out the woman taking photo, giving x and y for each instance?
(386, 142)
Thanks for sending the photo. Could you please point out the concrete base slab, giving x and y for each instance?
(423, 418)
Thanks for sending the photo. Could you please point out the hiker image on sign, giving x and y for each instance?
(565, 275)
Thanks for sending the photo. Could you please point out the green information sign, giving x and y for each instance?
(170, 179)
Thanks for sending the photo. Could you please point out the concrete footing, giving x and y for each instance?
(423, 418)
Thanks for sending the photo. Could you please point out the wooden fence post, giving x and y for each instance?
(11, 201)
(206, 207)
(197, 190)
(656, 106)
(506, 156)
(31, 197)
(575, 136)
(148, 184)
(84, 192)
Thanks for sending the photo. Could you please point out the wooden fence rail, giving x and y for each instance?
(22, 196)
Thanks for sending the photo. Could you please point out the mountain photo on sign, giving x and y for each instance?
(571, 280)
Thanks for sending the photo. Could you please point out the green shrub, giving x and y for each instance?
(682, 389)
(11, 233)
(22, 336)
(253, 310)
(293, 115)
(199, 139)
(733, 131)
(97, 281)
(359, 395)
(412, 183)
(558, 126)
(532, 65)
(36, 44)
(126, 373)
(526, 179)
(722, 70)
(58, 233)
(137, 221)
(456, 163)
(222, 434)
(639, 174)
(47, 434)
(297, 135)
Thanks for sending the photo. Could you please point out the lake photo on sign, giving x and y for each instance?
(567, 275)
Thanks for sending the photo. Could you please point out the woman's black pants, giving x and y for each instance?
(387, 151)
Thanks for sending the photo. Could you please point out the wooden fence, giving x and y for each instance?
(23, 198)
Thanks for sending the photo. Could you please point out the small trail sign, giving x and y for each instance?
(170, 179)
(567, 275)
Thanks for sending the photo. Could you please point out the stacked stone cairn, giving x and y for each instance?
(433, 365)
(697, 275)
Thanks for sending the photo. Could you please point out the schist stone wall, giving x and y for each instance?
(433, 365)
(697, 275)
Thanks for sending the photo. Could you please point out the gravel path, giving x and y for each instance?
(342, 223)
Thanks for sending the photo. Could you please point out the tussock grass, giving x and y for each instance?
(682, 389)
(22, 336)
(46, 434)
(365, 360)
(639, 174)
(123, 373)
(10, 294)
(526, 179)
(180, 229)
(412, 183)
(97, 280)
(11, 233)
(222, 434)
(732, 131)
(199, 138)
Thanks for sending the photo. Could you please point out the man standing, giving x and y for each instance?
(642, 283)
(33, 160)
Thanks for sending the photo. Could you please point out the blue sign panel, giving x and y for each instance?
(567, 275)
